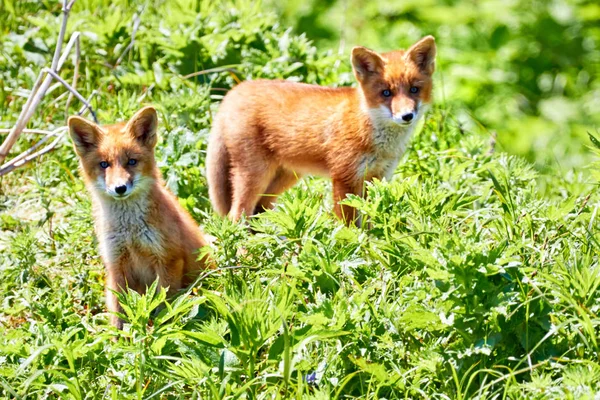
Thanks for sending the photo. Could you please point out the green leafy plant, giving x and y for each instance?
(475, 274)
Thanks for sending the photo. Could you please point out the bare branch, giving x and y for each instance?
(76, 61)
(61, 36)
(72, 90)
(36, 131)
(39, 90)
(85, 105)
(50, 135)
(29, 155)
(16, 130)
(43, 151)
(136, 25)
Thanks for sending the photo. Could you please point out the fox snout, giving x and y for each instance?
(119, 183)
(404, 111)
(120, 191)
(404, 117)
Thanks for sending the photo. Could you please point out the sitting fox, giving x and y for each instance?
(267, 134)
(143, 231)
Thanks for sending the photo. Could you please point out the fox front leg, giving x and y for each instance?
(115, 283)
(346, 213)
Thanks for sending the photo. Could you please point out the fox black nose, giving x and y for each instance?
(121, 189)
(408, 117)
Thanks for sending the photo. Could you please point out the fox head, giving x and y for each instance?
(117, 160)
(396, 84)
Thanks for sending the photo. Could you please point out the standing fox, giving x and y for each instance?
(269, 133)
(143, 231)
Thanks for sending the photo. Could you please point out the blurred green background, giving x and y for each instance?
(525, 69)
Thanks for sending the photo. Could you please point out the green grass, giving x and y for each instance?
(476, 276)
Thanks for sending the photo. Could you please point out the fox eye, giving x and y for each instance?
(414, 89)
(132, 161)
(386, 93)
(103, 164)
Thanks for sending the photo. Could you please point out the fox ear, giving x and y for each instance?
(85, 134)
(143, 126)
(422, 54)
(365, 62)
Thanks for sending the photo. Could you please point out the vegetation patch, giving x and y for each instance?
(476, 275)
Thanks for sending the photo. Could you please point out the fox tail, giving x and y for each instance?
(218, 174)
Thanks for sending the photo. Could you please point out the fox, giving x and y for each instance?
(143, 232)
(269, 133)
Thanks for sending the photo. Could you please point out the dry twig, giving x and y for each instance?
(40, 88)
(76, 60)
(73, 91)
(42, 84)
(136, 25)
(31, 154)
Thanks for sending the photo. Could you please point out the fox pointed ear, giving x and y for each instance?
(365, 62)
(143, 126)
(85, 134)
(422, 54)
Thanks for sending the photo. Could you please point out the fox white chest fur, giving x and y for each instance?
(123, 231)
(390, 141)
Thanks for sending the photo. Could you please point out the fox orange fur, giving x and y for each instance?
(267, 134)
(142, 229)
